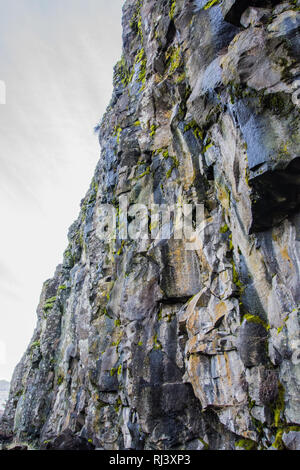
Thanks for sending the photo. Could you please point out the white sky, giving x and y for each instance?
(56, 59)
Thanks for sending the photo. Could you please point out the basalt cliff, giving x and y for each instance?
(143, 343)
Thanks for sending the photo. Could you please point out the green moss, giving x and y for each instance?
(172, 9)
(153, 130)
(206, 446)
(279, 405)
(62, 287)
(230, 242)
(175, 164)
(158, 151)
(122, 73)
(251, 404)
(90, 441)
(94, 185)
(140, 29)
(146, 172)
(238, 91)
(169, 172)
(224, 228)
(255, 319)
(112, 372)
(235, 277)
(175, 161)
(137, 123)
(120, 369)
(136, 20)
(210, 4)
(246, 444)
(116, 343)
(140, 343)
(207, 146)
(50, 300)
(180, 78)
(120, 251)
(284, 322)
(157, 344)
(60, 380)
(292, 428)
(117, 322)
(35, 344)
(165, 153)
(117, 133)
(174, 61)
(196, 129)
(278, 443)
(142, 60)
(247, 173)
(259, 428)
(68, 254)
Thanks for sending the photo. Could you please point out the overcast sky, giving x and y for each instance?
(56, 59)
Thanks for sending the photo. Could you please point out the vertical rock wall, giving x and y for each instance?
(143, 344)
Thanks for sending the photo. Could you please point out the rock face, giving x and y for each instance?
(143, 343)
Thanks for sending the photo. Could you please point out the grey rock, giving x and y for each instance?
(252, 343)
(292, 440)
(145, 344)
(253, 16)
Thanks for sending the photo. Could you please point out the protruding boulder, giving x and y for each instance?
(233, 9)
(67, 440)
(252, 342)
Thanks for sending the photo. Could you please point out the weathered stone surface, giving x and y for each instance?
(67, 441)
(143, 343)
(292, 440)
(253, 16)
(252, 343)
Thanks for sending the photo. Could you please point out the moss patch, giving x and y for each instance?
(173, 58)
(279, 405)
(210, 4)
(153, 130)
(60, 380)
(192, 125)
(157, 344)
(255, 319)
(172, 9)
(246, 444)
(224, 228)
